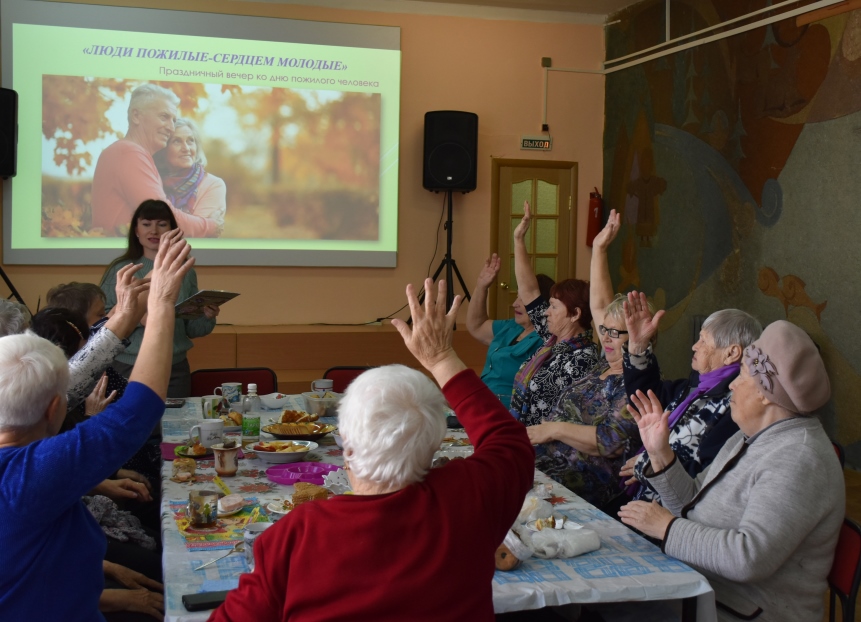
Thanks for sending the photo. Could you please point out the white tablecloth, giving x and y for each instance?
(625, 568)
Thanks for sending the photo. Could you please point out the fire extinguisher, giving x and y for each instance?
(596, 214)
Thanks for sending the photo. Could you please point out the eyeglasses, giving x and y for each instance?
(614, 333)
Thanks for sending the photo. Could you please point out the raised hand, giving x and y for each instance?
(608, 233)
(642, 326)
(171, 265)
(430, 338)
(97, 400)
(521, 229)
(652, 420)
(130, 292)
(489, 272)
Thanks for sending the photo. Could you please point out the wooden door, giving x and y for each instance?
(549, 187)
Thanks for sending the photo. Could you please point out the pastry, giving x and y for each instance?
(505, 559)
(183, 465)
(231, 418)
(296, 416)
(545, 523)
(231, 503)
(308, 492)
(197, 449)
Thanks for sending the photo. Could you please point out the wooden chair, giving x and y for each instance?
(845, 572)
(203, 381)
(341, 377)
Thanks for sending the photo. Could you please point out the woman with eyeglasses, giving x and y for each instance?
(585, 440)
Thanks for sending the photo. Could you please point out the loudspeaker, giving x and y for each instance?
(450, 150)
(8, 133)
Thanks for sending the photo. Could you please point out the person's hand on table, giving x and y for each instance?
(139, 600)
(651, 519)
(541, 433)
(628, 470)
(652, 421)
(430, 338)
(489, 272)
(211, 311)
(97, 400)
(135, 477)
(130, 578)
(121, 489)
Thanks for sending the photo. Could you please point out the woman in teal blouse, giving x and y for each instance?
(510, 342)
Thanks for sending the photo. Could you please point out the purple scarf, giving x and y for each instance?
(708, 381)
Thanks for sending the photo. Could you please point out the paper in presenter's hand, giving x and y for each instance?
(192, 307)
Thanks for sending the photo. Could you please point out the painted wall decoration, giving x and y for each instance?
(736, 166)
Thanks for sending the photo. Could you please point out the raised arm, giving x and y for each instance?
(600, 284)
(152, 367)
(477, 322)
(527, 284)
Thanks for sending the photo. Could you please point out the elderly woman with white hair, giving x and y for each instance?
(189, 187)
(126, 174)
(53, 548)
(408, 533)
(762, 522)
(699, 404)
(589, 434)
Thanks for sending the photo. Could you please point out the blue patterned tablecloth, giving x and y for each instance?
(625, 568)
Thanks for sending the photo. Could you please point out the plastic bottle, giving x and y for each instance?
(251, 405)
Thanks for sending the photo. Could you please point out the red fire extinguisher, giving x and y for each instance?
(596, 214)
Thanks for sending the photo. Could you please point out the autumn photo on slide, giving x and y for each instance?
(243, 162)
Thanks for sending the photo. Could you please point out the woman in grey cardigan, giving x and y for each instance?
(762, 521)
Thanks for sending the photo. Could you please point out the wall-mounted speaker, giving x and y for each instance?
(8, 133)
(450, 150)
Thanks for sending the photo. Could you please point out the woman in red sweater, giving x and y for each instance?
(408, 534)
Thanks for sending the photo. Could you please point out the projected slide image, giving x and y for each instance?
(234, 161)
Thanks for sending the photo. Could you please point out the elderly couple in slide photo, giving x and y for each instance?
(160, 157)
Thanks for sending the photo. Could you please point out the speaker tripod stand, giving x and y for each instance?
(449, 264)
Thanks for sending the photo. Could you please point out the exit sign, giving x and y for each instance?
(536, 143)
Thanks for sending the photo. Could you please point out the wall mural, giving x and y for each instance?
(735, 166)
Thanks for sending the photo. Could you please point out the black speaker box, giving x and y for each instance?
(8, 133)
(450, 150)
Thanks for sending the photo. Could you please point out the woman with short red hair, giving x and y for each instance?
(564, 324)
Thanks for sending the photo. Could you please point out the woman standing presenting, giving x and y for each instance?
(151, 220)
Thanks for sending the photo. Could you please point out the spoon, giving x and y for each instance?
(239, 546)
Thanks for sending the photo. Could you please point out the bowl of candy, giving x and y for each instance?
(274, 400)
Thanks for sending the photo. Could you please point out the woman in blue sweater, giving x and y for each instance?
(51, 561)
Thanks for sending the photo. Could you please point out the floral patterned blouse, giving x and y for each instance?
(599, 403)
(570, 360)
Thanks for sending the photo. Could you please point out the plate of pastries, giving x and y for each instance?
(298, 431)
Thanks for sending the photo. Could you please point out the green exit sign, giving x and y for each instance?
(536, 143)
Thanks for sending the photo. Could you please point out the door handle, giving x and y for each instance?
(503, 285)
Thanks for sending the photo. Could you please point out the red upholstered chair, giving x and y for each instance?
(845, 573)
(341, 377)
(841, 455)
(203, 381)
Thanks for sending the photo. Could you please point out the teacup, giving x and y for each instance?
(210, 406)
(226, 459)
(232, 391)
(202, 509)
(210, 432)
(321, 386)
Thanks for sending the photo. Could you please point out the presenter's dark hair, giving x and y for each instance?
(151, 209)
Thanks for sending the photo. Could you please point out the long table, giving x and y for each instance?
(626, 567)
